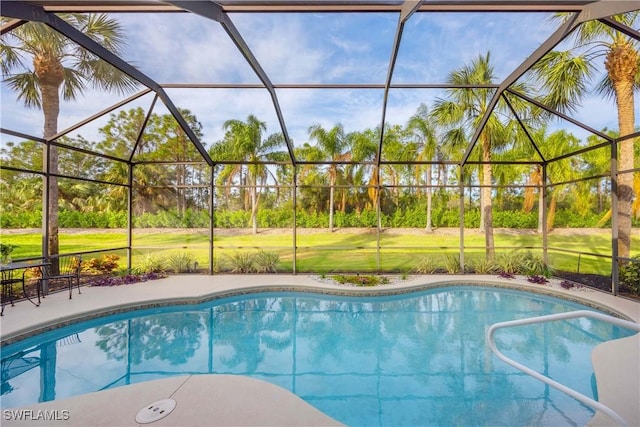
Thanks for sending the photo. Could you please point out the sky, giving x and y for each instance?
(353, 48)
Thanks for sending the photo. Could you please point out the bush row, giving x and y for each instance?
(283, 218)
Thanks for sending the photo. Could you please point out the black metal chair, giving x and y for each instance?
(65, 268)
(8, 280)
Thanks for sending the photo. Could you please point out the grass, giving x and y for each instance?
(326, 252)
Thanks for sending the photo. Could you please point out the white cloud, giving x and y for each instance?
(184, 48)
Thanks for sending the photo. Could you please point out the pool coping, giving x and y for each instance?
(161, 293)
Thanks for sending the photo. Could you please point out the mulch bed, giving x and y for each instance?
(596, 281)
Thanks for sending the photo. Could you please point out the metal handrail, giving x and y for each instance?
(567, 390)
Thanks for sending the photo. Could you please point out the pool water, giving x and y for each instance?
(411, 359)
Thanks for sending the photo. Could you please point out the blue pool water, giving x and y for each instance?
(416, 359)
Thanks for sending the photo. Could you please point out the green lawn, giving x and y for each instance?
(333, 252)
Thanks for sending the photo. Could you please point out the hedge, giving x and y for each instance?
(413, 217)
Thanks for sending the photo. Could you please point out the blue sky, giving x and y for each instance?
(308, 48)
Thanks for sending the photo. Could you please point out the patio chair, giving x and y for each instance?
(68, 269)
(7, 281)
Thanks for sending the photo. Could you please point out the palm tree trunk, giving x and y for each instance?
(51, 109)
(541, 208)
(331, 202)
(482, 199)
(551, 214)
(486, 199)
(622, 66)
(428, 227)
(254, 206)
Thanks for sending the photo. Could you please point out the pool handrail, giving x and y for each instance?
(549, 318)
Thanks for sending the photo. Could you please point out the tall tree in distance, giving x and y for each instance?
(41, 65)
(460, 113)
(243, 142)
(565, 75)
(422, 128)
(334, 144)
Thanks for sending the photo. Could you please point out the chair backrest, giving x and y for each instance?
(70, 264)
(64, 265)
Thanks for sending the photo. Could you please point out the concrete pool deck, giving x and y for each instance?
(616, 363)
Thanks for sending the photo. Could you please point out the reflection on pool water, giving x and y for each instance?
(411, 359)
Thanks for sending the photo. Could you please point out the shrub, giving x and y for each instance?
(124, 280)
(452, 264)
(360, 280)
(534, 265)
(266, 262)
(181, 262)
(510, 262)
(504, 275)
(103, 265)
(568, 284)
(426, 265)
(241, 262)
(629, 276)
(483, 266)
(150, 263)
(515, 219)
(541, 280)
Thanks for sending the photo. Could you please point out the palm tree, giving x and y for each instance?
(423, 131)
(554, 145)
(564, 78)
(243, 143)
(396, 146)
(333, 143)
(463, 111)
(364, 147)
(40, 64)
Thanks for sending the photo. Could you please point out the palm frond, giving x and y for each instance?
(73, 84)
(563, 77)
(10, 59)
(27, 87)
(103, 75)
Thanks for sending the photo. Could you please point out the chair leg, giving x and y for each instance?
(70, 288)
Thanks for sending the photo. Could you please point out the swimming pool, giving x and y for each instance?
(411, 359)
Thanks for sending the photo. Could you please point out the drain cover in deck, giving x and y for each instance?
(155, 411)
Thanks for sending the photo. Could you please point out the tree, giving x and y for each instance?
(423, 130)
(40, 64)
(564, 78)
(333, 144)
(176, 146)
(462, 112)
(554, 145)
(243, 143)
(364, 148)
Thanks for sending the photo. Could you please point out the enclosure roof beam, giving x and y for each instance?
(215, 12)
(408, 8)
(101, 113)
(276, 6)
(562, 116)
(600, 9)
(524, 128)
(11, 25)
(22, 135)
(621, 27)
(555, 38)
(28, 12)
